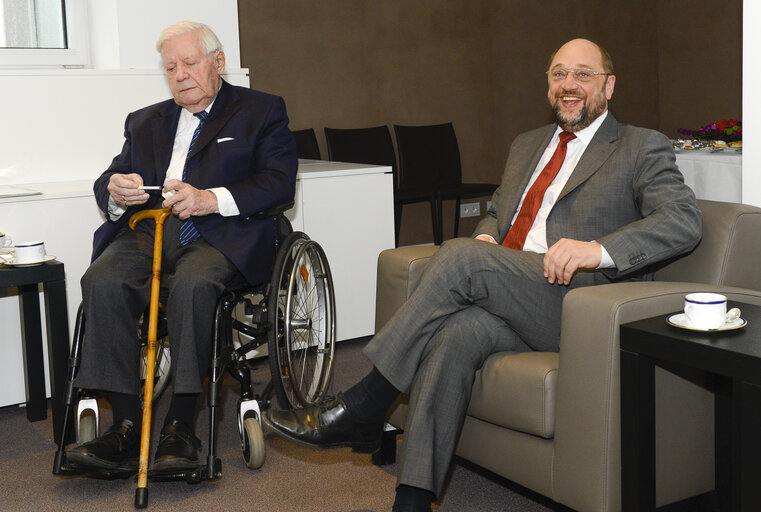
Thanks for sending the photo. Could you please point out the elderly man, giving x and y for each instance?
(584, 201)
(221, 153)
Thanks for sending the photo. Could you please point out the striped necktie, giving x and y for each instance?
(188, 231)
(516, 237)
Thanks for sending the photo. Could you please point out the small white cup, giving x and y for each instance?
(705, 310)
(5, 241)
(29, 252)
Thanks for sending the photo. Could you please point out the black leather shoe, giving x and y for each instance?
(116, 449)
(326, 426)
(178, 448)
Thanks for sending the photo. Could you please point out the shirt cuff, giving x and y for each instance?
(225, 202)
(114, 210)
(605, 260)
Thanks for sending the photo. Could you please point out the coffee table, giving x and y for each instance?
(52, 277)
(734, 359)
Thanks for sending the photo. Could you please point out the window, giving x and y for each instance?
(42, 33)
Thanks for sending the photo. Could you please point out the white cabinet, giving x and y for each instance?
(347, 208)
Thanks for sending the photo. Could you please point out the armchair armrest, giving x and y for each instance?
(587, 424)
(399, 272)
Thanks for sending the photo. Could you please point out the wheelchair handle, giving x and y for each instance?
(274, 211)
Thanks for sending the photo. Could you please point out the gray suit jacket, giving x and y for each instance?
(626, 193)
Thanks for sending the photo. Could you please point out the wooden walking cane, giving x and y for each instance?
(141, 493)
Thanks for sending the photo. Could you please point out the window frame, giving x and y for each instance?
(76, 55)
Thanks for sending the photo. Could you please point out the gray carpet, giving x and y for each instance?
(293, 478)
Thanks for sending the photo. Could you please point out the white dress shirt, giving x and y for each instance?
(536, 240)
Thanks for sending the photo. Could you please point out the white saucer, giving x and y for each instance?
(680, 320)
(48, 257)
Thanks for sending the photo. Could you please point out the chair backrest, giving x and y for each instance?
(429, 157)
(361, 145)
(728, 254)
(306, 144)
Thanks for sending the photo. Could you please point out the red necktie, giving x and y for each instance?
(516, 237)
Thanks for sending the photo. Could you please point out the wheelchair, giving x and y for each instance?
(293, 315)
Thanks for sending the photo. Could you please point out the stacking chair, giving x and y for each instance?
(430, 157)
(374, 146)
(306, 144)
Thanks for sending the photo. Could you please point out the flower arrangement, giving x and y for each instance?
(728, 130)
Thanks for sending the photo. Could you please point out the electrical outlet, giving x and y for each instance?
(470, 210)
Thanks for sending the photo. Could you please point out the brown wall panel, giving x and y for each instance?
(480, 64)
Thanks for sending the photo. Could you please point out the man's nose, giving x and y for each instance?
(569, 82)
(181, 73)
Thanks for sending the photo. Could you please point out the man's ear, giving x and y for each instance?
(219, 61)
(610, 84)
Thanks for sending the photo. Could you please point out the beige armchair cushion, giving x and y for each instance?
(517, 391)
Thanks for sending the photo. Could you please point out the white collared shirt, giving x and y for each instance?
(185, 128)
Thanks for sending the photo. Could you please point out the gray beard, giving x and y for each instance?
(584, 118)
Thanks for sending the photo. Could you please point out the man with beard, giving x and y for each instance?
(585, 201)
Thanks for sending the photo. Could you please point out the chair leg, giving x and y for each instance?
(456, 217)
(437, 220)
(397, 223)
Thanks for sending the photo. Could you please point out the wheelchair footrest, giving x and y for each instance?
(102, 474)
(191, 476)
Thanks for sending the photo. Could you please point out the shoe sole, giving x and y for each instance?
(89, 461)
(369, 447)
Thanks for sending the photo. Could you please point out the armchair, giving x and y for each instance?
(551, 421)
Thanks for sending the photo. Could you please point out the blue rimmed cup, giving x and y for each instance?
(705, 310)
(29, 252)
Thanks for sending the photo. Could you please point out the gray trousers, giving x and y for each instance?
(116, 290)
(474, 299)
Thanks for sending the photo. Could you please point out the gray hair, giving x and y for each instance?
(209, 41)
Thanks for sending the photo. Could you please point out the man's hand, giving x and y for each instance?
(124, 191)
(187, 201)
(486, 238)
(566, 256)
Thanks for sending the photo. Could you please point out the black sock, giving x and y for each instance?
(183, 408)
(369, 399)
(412, 499)
(126, 407)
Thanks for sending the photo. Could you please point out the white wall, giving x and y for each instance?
(68, 122)
(63, 125)
(751, 103)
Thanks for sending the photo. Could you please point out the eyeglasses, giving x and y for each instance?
(579, 74)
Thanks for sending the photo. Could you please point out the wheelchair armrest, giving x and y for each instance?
(274, 211)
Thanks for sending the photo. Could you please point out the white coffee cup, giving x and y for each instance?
(29, 252)
(705, 310)
(5, 241)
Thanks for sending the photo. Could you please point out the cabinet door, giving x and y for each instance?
(352, 217)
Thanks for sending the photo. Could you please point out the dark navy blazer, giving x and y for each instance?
(258, 166)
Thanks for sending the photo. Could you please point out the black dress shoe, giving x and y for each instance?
(326, 426)
(116, 449)
(178, 448)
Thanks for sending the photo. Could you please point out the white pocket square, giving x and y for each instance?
(224, 139)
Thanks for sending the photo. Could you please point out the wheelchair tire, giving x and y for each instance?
(162, 367)
(253, 443)
(301, 310)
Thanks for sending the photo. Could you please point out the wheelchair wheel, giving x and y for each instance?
(301, 309)
(163, 361)
(253, 443)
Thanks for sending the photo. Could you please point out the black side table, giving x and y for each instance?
(734, 358)
(27, 279)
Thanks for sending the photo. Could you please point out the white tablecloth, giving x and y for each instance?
(716, 176)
